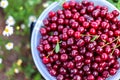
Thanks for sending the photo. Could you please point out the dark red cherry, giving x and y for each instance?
(45, 60)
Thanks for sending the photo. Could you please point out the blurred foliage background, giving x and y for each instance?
(16, 62)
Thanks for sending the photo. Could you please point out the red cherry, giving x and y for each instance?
(85, 24)
(92, 31)
(51, 14)
(70, 32)
(77, 34)
(43, 31)
(45, 60)
(66, 5)
(117, 33)
(112, 71)
(94, 25)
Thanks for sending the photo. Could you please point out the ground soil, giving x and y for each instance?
(12, 56)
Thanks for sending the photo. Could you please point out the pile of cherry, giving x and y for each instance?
(81, 42)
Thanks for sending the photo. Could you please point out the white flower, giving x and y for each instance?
(3, 3)
(1, 60)
(22, 26)
(16, 70)
(8, 31)
(9, 46)
(31, 19)
(10, 21)
(45, 4)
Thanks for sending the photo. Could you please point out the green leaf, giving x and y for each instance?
(1, 66)
(10, 72)
(94, 38)
(51, 33)
(29, 70)
(60, 1)
(17, 48)
(57, 47)
(37, 77)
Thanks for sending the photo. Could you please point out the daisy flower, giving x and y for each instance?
(9, 46)
(16, 70)
(31, 19)
(10, 21)
(22, 26)
(19, 62)
(3, 3)
(45, 5)
(8, 31)
(1, 60)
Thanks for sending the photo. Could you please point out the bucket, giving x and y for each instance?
(36, 37)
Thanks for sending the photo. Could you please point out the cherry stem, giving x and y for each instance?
(95, 36)
(110, 42)
(88, 35)
(53, 49)
(115, 45)
(118, 46)
(59, 42)
(48, 56)
(104, 41)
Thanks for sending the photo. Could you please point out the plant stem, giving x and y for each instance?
(51, 51)
(111, 42)
(115, 46)
(60, 42)
(118, 46)
(54, 48)
(48, 56)
(88, 35)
